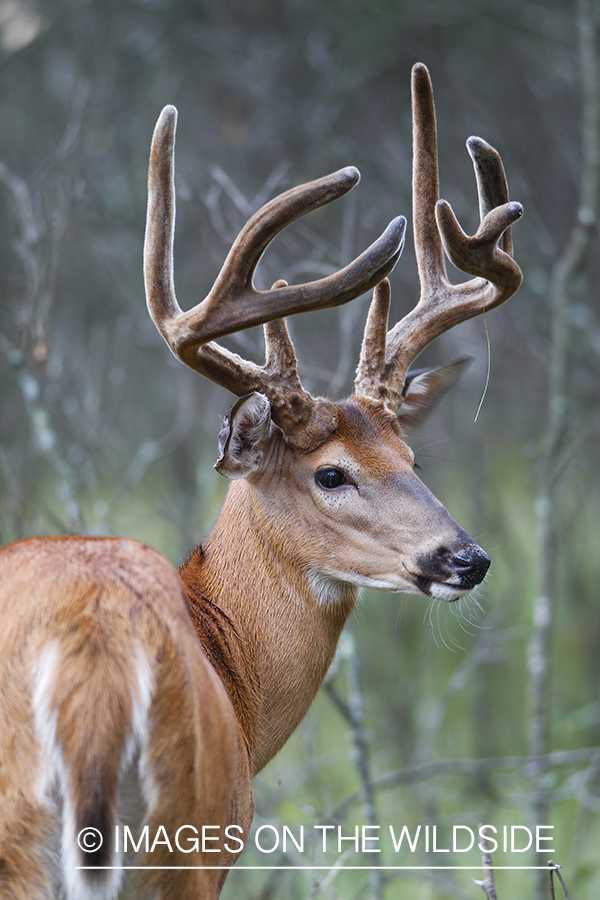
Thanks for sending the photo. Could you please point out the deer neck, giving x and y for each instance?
(265, 627)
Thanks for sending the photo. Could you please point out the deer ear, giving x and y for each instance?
(424, 387)
(244, 436)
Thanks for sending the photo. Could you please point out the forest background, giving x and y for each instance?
(432, 715)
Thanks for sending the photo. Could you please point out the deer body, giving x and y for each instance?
(135, 694)
(132, 670)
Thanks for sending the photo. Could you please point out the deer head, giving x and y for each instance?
(333, 483)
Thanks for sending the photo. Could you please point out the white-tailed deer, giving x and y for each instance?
(135, 693)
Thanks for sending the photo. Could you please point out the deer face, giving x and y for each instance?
(384, 527)
(352, 510)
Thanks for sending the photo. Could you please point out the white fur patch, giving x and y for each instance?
(330, 589)
(140, 704)
(76, 886)
(45, 718)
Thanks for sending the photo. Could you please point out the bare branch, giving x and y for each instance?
(552, 869)
(488, 885)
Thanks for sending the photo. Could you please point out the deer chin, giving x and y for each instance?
(440, 590)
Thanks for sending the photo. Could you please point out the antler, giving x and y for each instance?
(385, 358)
(234, 303)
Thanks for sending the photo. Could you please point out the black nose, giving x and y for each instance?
(470, 564)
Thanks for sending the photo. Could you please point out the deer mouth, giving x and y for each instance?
(440, 590)
(452, 573)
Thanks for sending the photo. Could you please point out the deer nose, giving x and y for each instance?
(470, 564)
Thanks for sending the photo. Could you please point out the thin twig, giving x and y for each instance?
(555, 868)
(551, 877)
(353, 711)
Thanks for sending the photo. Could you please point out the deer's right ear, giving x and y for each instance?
(244, 436)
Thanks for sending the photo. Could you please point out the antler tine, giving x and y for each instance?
(233, 303)
(160, 222)
(425, 183)
(492, 187)
(487, 255)
(371, 366)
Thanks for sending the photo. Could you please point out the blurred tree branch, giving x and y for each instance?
(571, 261)
(465, 766)
(42, 222)
(488, 885)
(353, 711)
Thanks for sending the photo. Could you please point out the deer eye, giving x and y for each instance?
(330, 478)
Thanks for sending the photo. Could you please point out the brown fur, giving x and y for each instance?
(99, 601)
(203, 673)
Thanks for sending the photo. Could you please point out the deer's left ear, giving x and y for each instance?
(244, 436)
(424, 387)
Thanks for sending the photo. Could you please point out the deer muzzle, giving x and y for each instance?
(450, 572)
